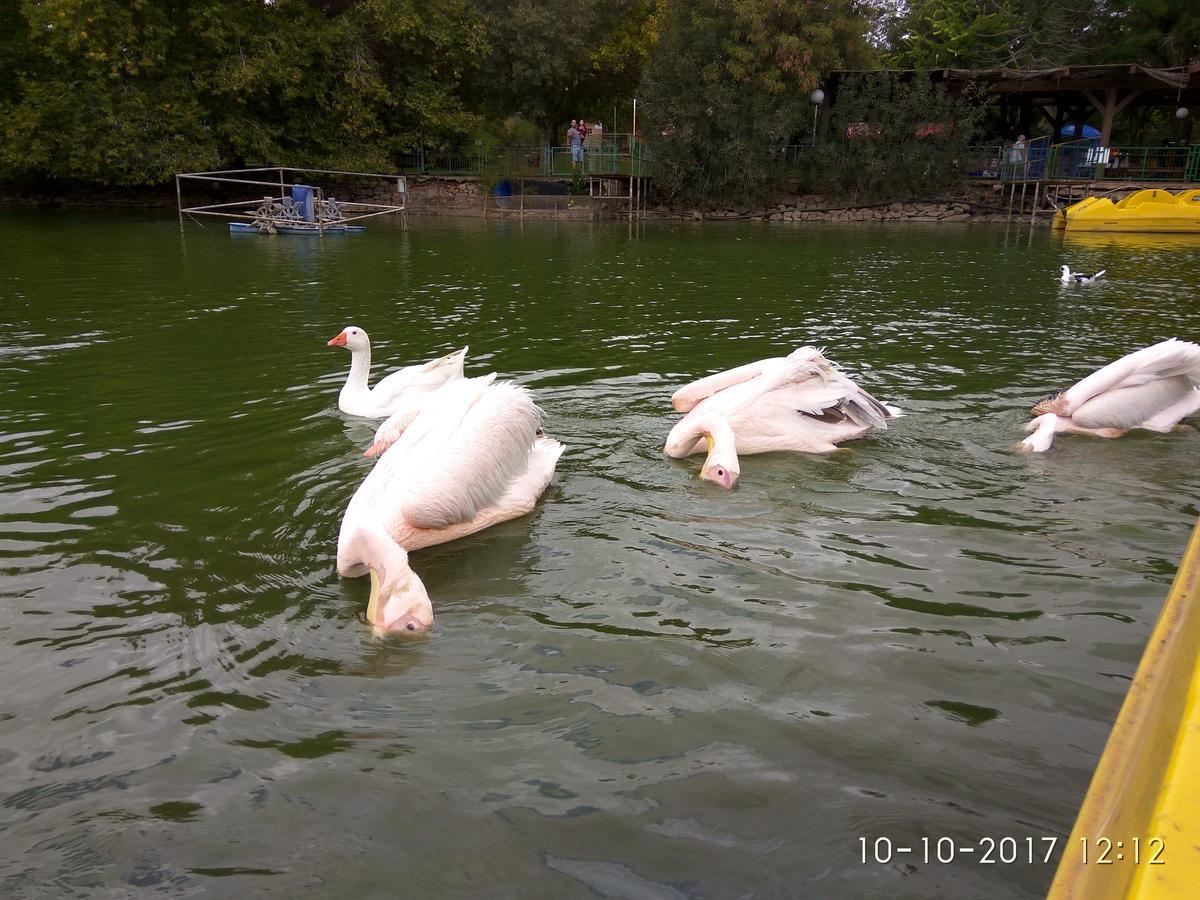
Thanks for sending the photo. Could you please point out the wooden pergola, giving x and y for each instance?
(1069, 94)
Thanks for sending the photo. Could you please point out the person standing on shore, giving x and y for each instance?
(575, 140)
(1017, 154)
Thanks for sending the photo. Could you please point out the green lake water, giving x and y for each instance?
(648, 688)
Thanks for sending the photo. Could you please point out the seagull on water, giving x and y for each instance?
(1069, 277)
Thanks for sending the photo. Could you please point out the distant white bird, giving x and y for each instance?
(799, 402)
(1069, 277)
(1152, 388)
(358, 399)
(475, 457)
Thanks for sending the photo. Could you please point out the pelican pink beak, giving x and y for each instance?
(720, 476)
(339, 341)
(414, 622)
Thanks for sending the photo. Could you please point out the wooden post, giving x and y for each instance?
(1110, 113)
(1033, 209)
(631, 196)
(521, 188)
(179, 202)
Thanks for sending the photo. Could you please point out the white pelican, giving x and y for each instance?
(357, 399)
(474, 458)
(798, 402)
(1151, 388)
(1069, 277)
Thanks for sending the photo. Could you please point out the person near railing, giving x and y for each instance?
(575, 140)
(1018, 156)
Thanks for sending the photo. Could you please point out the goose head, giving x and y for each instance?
(352, 338)
(1066, 272)
(399, 602)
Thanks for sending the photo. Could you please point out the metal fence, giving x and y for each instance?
(617, 154)
(1086, 160)
(1153, 164)
(627, 155)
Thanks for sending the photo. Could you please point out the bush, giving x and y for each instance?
(894, 136)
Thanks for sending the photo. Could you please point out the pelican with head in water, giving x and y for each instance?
(473, 458)
(1152, 388)
(798, 402)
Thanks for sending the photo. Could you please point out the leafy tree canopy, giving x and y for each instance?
(729, 82)
(554, 60)
(927, 34)
(132, 93)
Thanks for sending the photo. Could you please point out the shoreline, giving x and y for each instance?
(461, 197)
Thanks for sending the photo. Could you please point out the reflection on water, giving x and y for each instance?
(648, 687)
(1139, 243)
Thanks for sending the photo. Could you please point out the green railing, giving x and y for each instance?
(618, 154)
(1151, 164)
(1086, 160)
(625, 155)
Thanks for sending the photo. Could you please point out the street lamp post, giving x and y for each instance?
(817, 97)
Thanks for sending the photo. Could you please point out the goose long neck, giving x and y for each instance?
(360, 369)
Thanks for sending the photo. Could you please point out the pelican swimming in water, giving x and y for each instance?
(1152, 388)
(798, 402)
(474, 458)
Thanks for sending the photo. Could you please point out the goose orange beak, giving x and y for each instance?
(339, 341)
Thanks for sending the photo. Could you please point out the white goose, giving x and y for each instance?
(1152, 388)
(474, 458)
(356, 398)
(798, 402)
(1069, 277)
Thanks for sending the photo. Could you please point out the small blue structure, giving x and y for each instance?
(302, 200)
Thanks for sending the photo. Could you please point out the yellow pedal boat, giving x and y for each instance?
(1137, 836)
(1152, 210)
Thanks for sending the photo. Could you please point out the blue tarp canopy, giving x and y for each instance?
(1068, 131)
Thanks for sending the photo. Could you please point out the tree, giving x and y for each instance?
(553, 60)
(929, 34)
(132, 93)
(1152, 32)
(728, 83)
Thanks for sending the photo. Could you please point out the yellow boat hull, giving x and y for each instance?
(1152, 210)
(1138, 833)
